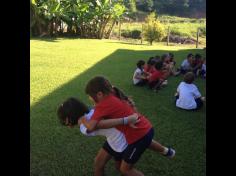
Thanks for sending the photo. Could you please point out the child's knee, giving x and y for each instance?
(125, 170)
(98, 164)
(117, 165)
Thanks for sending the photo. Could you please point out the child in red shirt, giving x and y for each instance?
(149, 68)
(100, 91)
(157, 78)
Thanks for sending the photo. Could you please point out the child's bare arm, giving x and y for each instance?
(90, 125)
(109, 123)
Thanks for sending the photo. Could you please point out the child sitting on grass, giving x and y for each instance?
(157, 79)
(203, 69)
(139, 78)
(172, 60)
(186, 65)
(168, 64)
(157, 58)
(197, 64)
(188, 96)
(149, 67)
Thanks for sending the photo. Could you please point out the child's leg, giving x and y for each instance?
(157, 84)
(176, 97)
(157, 147)
(117, 165)
(182, 71)
(128, 170)
(133, 153)
(141, 83)
(199, 102)
(100, 161)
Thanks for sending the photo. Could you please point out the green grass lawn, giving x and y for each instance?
(60, 68)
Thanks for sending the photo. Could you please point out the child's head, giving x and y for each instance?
(140, 64)
(190, 56)
(165, 57)
(198, 57)
(157, 57)
(159, 65)
(98, 87)
(189, 77)
(171, 55)
(151, 61)
(70, 111)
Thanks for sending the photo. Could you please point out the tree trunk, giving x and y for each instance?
(51, 28)
(110, 30)
(103, 26)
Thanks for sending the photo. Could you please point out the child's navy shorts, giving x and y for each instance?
(133, 152)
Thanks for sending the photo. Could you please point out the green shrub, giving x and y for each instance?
(135, 34)
(125, 33)
(153, 30)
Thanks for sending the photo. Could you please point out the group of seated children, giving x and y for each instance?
(155, 72)
(194, 64)
(158, 69)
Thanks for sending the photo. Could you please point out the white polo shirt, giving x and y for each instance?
(138, 72)
(115, 138)
(187, 95)
(186, 65)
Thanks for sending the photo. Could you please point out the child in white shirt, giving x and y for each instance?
(188, 96)
(186, 65)
(139, 78)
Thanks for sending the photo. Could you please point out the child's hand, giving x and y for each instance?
(133, 119)
(83, 120)
(203, 98)
(143, 77)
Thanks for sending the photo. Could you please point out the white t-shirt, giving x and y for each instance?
(187, 95)
(138, 72)
(115, 138)
(185, 65)
(204, 67)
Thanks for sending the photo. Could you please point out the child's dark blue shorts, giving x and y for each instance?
(133, 152)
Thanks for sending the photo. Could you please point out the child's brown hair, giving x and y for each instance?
(120, 94)
(98, 84)
(71, 109)
(189, 77)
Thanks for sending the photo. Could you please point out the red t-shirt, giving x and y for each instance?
(149, 69)
(111, 108)
(156, 75)
(196, 62)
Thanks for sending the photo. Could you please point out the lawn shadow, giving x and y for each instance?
(54, 149)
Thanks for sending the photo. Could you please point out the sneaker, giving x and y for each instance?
(170, 153)
(203, 98)
(164, 83)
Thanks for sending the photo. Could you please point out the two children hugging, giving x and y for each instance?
(125, 142)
